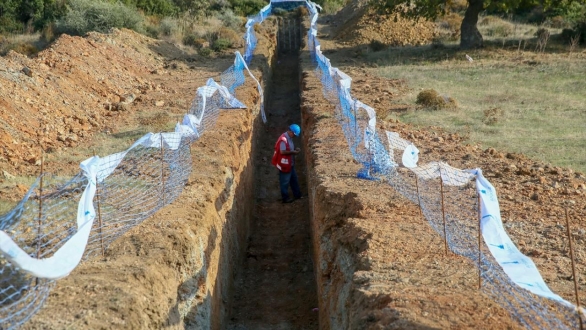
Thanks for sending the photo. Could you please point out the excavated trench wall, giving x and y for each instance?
(235, 206)
(339, 244)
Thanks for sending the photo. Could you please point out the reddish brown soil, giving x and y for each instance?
(374, 264)
(358, 25)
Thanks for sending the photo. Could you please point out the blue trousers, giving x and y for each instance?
(286, 179)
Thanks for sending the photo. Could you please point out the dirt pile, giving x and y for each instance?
(58, 98)
(82, 91)
(357, 24)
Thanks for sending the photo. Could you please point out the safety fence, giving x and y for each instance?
(62, 221)
(460, 205)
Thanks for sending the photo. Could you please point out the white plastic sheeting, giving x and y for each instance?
(518, 267)
(69, 255)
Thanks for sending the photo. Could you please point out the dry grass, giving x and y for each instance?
(509, 98)
(157, 122)
(26, 44)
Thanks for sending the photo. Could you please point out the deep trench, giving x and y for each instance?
(275, 286)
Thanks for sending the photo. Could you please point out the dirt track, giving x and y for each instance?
(374, 257)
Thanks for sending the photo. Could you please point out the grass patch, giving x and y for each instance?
(514, 100)
(26, 44)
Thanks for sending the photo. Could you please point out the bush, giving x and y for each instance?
(376, 45)
(450, 25)
(247, 7)
(235, 38)
(205, 52)
(279, 11)
(230, 19)
(302, 11)
(221, 44)
(458, 6)
(190, 39)
(581, 30)
(168, 26)
(10, 25)
(87, 15)
(557, 22)
(430, 98)
(152, 31)
(496, 27)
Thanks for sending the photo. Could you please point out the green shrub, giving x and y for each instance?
(168, 26)
(152, 31)
(376, 45)
(503, 30)
(205, 52)
(230, 19)
(247, 7)
(190, 39)
(221, 44)
(279, 12)
(87, 15)
(11, 25)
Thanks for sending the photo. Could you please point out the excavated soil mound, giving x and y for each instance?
(357, 24)
(80, 91)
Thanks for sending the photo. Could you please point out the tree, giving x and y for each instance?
(470, 37)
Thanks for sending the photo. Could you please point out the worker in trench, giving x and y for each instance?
(284, 161)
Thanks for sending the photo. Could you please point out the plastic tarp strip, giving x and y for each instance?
(258, 86)
(69, 255)
(516, 265)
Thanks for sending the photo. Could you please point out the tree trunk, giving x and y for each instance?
(470, 37)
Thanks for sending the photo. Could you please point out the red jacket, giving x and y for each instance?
(282, 162)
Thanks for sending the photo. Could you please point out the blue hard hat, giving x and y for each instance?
(295, 129)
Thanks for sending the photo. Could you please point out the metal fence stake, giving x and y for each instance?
(443, 211)
(163, 169)
(418, 198)
(40, 220)
(99, 215)
(574, 270)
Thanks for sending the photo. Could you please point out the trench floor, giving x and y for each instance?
(275, 287)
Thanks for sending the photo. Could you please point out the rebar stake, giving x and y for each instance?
(40, 220)
(99, 214)
(574, 270)
(418, 198)
(443, 211)
(163, 170)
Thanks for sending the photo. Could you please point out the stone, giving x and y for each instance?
(7, 175)
(27, 71)
(523, 171)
